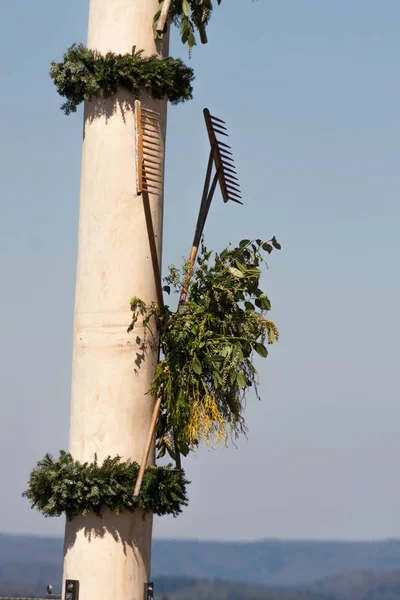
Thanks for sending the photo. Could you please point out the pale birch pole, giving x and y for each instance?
(110, 410)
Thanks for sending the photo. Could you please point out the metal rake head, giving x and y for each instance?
(223, 159)
(149, 163)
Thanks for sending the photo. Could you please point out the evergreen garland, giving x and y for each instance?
(85, 74)
(68, 486)
(209, 345)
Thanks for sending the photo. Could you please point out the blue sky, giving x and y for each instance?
(310, 92)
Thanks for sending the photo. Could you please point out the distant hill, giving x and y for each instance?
(370, 585)
(174, 588)
(29, 561)
(272, 562)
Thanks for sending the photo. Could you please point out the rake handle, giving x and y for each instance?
(163, 16)
(147, 449)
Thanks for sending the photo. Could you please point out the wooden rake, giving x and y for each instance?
(149, 173)
(225, 174)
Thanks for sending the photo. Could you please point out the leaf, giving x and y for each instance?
(244, 243)
(183, 448)
(275, 243)
(249, 306)
(263, 303)
(240, 266)
(253, 272)
(186, 8)
(217, 359)
(167, 289)
(236, 273)
(241, 380)
(196, 366)
(191, 40)
(217, 379)
(261, 349)
(185, 29)
(267, 247)
(226, 351)
(161, 451)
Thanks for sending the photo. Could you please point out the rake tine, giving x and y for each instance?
(155, 127)
(150, 122)
(153, 112)
(227, 157)
(217, 119)
(154, 191)
(151, 180)
(151, 139)
(223, 144)
(149, 162)
(153, 148)
(237, 201)
(153, 174)
(147, 147)
(226, 152)
(232, 185)
(218, 125)
(233, 194)
(228, 168)
(148, 137)
(152, 166)
(232, 178)
(221, 132)
(146, 151)
(153, 133)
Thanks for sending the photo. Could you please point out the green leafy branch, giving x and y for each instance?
(208, 346)
(189, 16)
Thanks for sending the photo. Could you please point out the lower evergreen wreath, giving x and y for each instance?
(68, 486)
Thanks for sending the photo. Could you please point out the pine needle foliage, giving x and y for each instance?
(86, 74)
(189, 16)
(68, 486)
(209, 345)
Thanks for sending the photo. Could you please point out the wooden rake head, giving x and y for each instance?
(223, 159)
(149, 167)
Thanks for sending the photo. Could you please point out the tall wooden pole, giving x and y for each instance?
(110, 409)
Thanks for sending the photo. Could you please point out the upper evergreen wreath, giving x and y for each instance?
(85, 74)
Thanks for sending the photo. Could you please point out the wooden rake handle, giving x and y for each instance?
(147, 449)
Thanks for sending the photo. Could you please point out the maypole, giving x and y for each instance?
(110, 408)
(143, 376)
